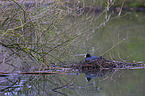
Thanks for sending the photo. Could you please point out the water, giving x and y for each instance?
(115, 83)
(120, 39)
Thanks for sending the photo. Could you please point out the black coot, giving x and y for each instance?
(90, 58)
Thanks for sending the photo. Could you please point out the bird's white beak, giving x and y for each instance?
(80, 55)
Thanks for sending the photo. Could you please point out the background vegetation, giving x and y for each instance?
(36, 35)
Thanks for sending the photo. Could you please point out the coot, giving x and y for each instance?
(90, 58)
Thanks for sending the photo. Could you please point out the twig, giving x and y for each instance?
(63, 85)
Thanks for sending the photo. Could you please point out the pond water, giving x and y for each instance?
(121, 39)
(115, 83)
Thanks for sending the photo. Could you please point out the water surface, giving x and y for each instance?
(121, 39)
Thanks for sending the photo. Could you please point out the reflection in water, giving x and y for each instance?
(74, 84)
(101, 73)
(13, 84)
(49, 84)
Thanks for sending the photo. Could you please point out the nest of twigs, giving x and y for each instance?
(97, 64)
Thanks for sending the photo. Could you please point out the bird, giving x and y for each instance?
(90, 58)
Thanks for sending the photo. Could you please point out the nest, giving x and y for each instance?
(99, 64)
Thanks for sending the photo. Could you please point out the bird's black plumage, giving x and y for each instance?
(90, 58)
